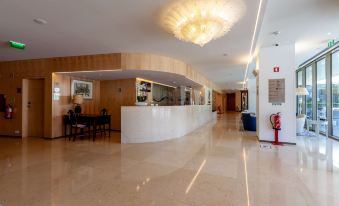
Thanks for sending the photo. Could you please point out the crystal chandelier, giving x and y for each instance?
(200, 21)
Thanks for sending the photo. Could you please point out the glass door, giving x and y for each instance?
(321, 91)
(335, 94)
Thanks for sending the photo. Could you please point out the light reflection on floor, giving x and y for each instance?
(217, 164)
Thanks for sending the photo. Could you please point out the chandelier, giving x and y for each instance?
(200, 21)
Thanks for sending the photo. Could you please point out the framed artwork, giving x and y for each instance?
(84, 88)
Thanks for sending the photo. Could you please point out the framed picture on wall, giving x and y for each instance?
(84, 88)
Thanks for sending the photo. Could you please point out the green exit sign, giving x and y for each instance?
(17, 45)
(331, 43)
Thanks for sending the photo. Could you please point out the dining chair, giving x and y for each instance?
(102, 121)
(76, 125)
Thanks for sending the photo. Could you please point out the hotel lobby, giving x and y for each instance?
(169, 102)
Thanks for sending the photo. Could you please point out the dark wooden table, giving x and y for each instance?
(92, 120)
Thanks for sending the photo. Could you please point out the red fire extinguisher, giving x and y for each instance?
(9, 112)
(276, 125)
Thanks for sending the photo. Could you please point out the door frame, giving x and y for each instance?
(24, 99)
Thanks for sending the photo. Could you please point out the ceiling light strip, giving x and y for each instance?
(252, 43)
(91, 71)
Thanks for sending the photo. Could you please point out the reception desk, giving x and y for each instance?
(141, 124)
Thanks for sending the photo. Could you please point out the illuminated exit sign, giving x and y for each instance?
(17, 45)
(331, 43)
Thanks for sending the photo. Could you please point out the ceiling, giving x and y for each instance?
(81, 27)
(308, 24)
(170, 79)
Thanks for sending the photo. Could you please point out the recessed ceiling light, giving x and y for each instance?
(329, 33)
(40, 21)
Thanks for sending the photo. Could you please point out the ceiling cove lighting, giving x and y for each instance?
(200, 21)
(253, 39)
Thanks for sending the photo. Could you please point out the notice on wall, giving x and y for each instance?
(276, 91)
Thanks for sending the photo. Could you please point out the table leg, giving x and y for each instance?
(65, 125)
(94, 131)
(109, 129)
(317, 129)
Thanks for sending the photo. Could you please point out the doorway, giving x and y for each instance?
(33, 108)
(230, 102)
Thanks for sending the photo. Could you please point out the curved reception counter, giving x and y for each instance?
(140, 124)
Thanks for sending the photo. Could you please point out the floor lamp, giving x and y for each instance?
(301, 91)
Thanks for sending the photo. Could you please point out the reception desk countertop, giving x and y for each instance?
(141, 124)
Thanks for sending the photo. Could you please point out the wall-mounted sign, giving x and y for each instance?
(276, 69)
(331, 43)
(56, 91)
(276, 91)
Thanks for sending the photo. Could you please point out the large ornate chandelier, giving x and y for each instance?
(200, 21)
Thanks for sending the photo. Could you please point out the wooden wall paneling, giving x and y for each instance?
(114, 94)
(43, 68)
(140, 61)
(8, 86)
(61, 107)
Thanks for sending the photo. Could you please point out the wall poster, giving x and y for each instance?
(276, 91)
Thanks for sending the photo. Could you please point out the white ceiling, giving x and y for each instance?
(80, 27)
(170, 79)
(306, 23)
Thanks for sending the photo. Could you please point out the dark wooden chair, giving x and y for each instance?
(77, 126)
(102, 122)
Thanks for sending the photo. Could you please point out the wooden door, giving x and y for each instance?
(33, 107)
(230, 102)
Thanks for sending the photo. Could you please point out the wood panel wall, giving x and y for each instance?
(13, 72)
(61, 106)
(117, 93)
(141, 61)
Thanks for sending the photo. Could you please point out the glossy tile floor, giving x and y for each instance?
(215, 165)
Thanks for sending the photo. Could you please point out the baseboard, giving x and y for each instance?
(288, 143)
(11, 136)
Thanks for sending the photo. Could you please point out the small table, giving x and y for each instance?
(91, 120)
(317, 124)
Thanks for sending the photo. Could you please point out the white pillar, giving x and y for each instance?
(284, 58)
(252, 94)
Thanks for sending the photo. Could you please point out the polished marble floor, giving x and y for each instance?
(217, 164)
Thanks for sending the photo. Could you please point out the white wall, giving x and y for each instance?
(282, 56)
(252, 95)
(158, 123)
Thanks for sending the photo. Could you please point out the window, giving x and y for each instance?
(309, 104)
(300, 84)
(321, 90)
(335, 93)
(300, 79)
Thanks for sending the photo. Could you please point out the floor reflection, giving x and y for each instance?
(318, 153)
(218, 164)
